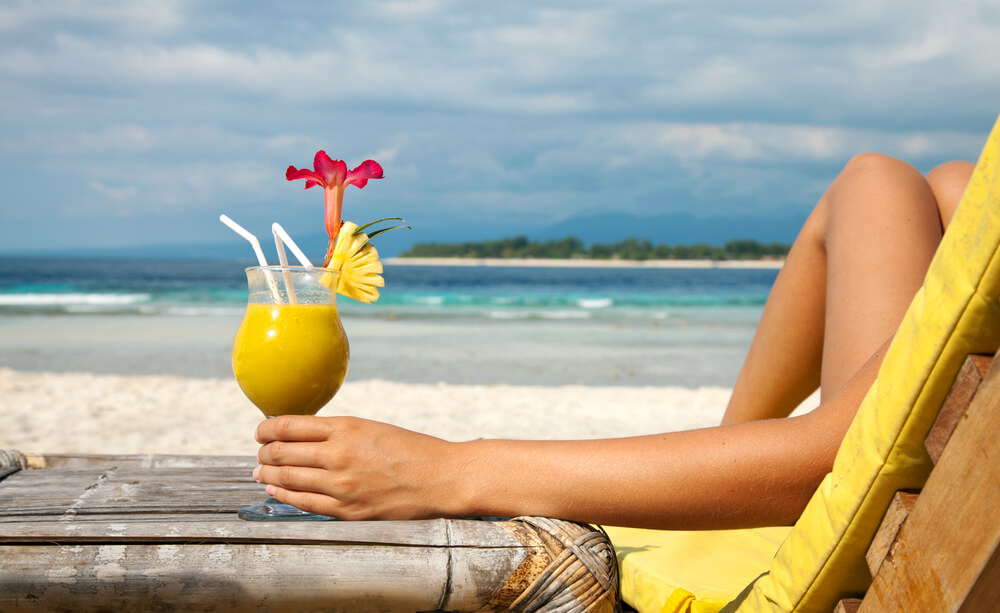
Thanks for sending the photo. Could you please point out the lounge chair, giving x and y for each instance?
(821, 560)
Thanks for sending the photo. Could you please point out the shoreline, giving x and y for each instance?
(583, 263)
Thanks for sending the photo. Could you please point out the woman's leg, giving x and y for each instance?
(846, 283)
(948, 183)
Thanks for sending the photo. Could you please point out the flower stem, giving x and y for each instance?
(334, 201)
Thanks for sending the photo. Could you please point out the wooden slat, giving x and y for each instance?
(77, 460)
(847, 605)
(947, 554)
(200, 528)
(132, 490)
(236, 577)
(963, 390)
(899, 509)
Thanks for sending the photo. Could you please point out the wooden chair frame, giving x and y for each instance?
(939, 549)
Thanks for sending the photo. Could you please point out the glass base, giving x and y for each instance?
(273, 509)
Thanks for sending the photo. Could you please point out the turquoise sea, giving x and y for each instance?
(455, 324)
(191, 287)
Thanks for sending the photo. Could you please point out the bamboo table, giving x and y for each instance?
(141, 533)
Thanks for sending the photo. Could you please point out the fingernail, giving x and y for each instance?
(271, 490)
(256, 474)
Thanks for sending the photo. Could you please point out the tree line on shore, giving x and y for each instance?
(574, 248)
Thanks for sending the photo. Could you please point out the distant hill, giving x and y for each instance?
(669, 229)
(673, 229)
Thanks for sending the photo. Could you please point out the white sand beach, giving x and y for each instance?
(90, 413)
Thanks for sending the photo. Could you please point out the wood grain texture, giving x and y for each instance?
(847, 605)
(963, 390)
(141, 533)
(899, 509)
(947, 554)
(240, 577)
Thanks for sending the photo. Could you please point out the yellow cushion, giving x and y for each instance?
(956, 312)
(698, 571)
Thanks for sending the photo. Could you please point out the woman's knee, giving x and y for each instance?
(874, 190)
(840, 192)
(873, 185)
(948, 182)
(878, 166)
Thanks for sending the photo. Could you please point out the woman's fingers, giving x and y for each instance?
(293, 428)
(307, 501)
(280, 453)
(353, 468)
(297, 478)
(307, 428)
(311, 489)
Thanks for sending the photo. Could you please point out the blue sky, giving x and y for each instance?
(137, 122)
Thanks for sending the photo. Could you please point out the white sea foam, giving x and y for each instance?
(41, 299)
(594, 303)
(507, 315)
(562, 314)
(192, 311)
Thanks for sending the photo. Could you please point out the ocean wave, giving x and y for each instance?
(532, 301)
(71, 299)
(595, 303)
(427, 300)
(192, 311)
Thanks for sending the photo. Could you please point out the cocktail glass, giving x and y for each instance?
(290, 354)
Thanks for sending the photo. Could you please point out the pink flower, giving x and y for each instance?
(334, 177)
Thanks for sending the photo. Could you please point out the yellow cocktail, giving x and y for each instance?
(290, 353)
(290, 359)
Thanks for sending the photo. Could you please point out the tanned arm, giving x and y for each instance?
(741, 475)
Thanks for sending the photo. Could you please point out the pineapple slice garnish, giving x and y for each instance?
(357, 260)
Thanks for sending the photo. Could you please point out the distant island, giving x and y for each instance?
(520, 247)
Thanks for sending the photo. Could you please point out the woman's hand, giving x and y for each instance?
(353, 468)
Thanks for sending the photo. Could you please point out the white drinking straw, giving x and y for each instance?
(283, 260)
(301, 257)
(237, 228)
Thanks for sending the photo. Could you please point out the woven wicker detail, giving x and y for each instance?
(12, 459)
(574, 570)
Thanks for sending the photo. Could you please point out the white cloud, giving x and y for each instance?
(499, 69)
(21, 63)
(144, 15)
(283, 142)
(404, 9)
(532, 108)
(739, 141)
(542, 60)
(114, 193)
(125, 138)
(389, 154)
